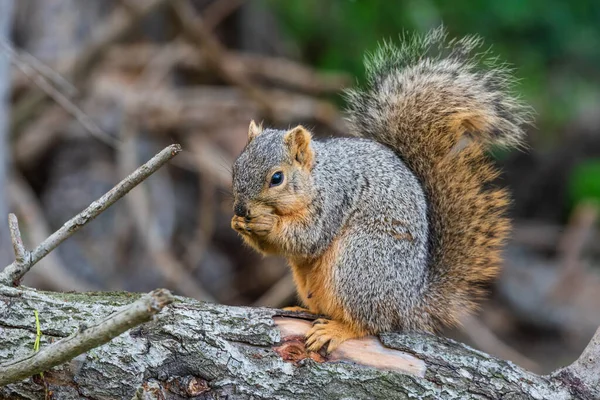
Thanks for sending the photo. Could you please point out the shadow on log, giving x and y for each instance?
(201, 350)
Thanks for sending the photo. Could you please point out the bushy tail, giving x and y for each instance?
(439, 107)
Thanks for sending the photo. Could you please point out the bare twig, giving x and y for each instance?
(85, 120)
(87, 337)
(118, 25)
(47, 72)
(234, 71)
(586, 368)
(279, 71)
(169, 266)
(13, 274)
(216, 55)
(52, 273)
(58, 97)
(21, 254)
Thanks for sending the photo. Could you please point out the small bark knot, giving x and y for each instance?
(293, 349)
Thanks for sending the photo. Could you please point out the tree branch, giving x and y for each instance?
(193, 27)
(143, 217)
(202, 350)
(586, 369)
(52, 273)
(21, 254)
(117, 26)
(13, 274)
(61, 99)
(234, 71)
(86, 338)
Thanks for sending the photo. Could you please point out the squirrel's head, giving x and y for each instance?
(273, 173)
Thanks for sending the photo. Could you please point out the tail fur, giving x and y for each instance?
(432, 102)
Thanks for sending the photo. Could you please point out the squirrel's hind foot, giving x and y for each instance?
(331, 333)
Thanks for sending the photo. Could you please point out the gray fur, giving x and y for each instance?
(392, 272)
(251, 167)
(362, 188)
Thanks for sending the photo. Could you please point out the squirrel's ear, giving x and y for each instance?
(298, 143)
(254, 130)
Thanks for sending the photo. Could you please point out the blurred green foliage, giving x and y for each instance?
(584, 183)
(554, 44)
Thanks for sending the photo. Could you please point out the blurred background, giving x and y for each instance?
(92, 89)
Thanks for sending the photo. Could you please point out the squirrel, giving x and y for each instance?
(400, 226)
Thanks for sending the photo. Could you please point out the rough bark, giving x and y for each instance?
(201, 350)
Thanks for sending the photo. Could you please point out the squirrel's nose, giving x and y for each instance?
(240, 209)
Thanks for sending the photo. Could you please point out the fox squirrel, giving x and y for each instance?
(399, 228)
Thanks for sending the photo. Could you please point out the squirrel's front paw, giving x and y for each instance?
(238, 224)
(326, 331)
(259, 225)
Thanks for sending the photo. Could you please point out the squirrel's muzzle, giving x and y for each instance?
(240, 209)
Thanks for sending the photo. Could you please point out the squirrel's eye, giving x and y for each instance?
(276, 179)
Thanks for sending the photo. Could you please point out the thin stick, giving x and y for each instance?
(15, 235)
(47, 72)
(85, 120)
(86, 338)
(216, 55)
(13, 274)
(291, 75)
(52, 271)
(145, 221)
(233, 71)
(117, 26)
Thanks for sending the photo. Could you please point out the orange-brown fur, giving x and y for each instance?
(469, 220)
(465, 214)
(439, 115)
(314, 284)
(312, 276)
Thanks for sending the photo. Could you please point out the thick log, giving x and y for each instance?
(201, 350)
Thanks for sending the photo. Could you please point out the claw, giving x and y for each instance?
(330, 333)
